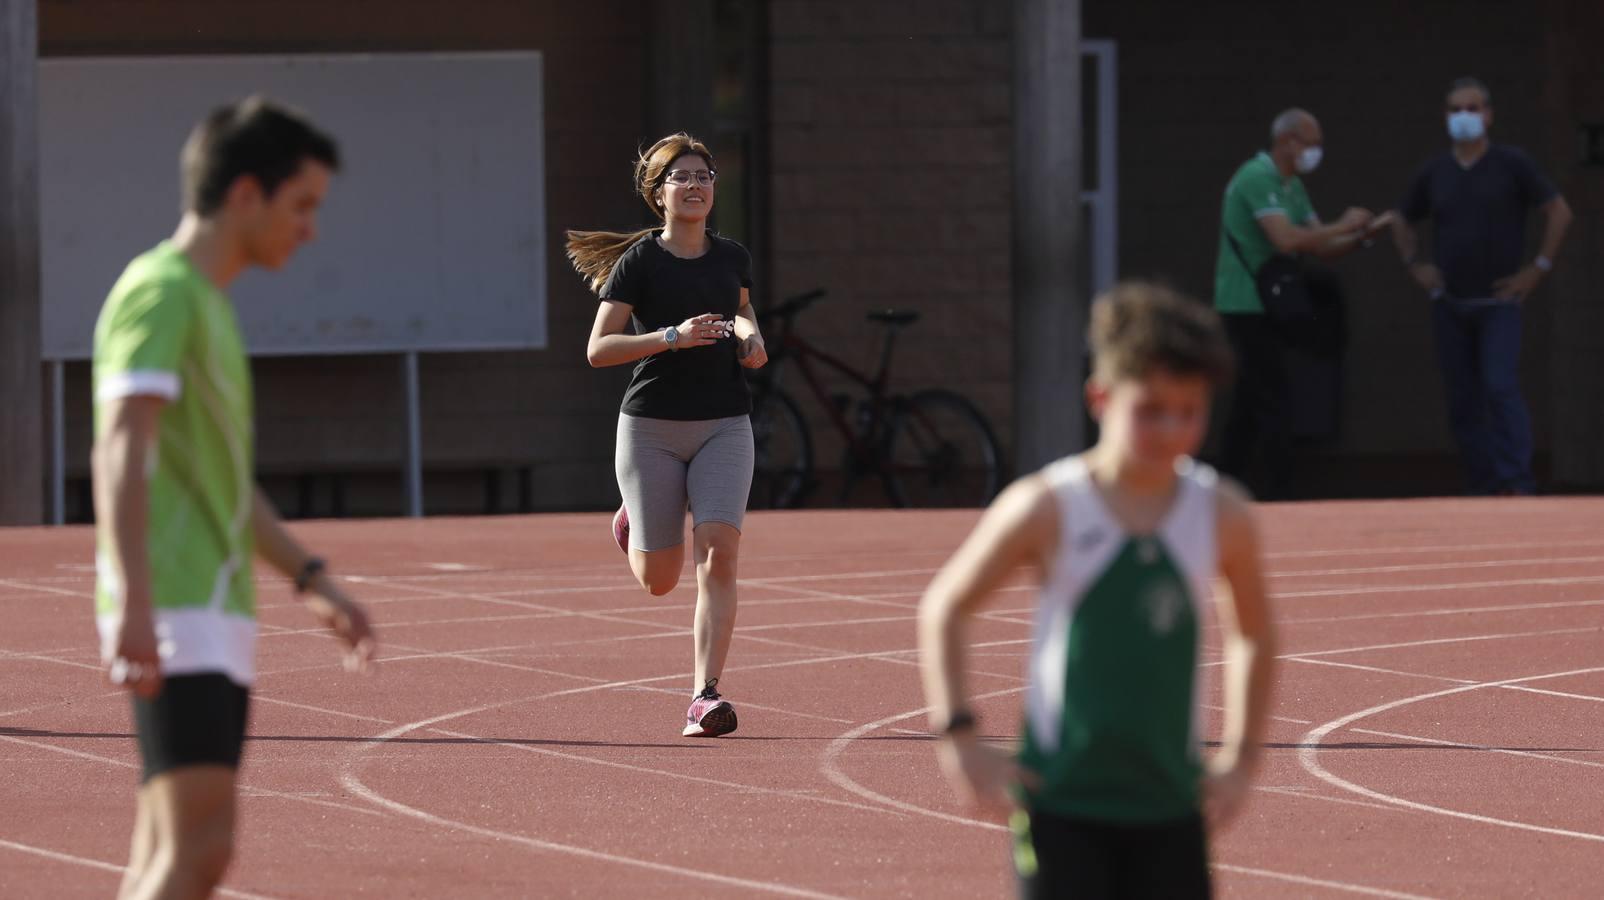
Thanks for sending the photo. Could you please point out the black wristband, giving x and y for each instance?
(960, 720)
(311, 569)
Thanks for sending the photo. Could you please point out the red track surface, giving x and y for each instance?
(1436, 733)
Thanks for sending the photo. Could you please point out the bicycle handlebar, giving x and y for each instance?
(793, 305)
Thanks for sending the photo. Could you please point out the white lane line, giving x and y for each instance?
(1357, 550)
(1451, 611)
(29, 657)
(259, 696)
(1432, 588)
(1304, 794)
(1453, 640)
(46, 589)
(1463, 745)
(1320, 882)
(1525, 689)
(244, 789)
(1440, 567)
(1309, 757)
(103, 866)
(747, 704)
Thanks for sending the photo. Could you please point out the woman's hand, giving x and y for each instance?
(702, 330)
(752, 352)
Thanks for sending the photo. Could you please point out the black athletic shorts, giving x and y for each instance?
(195, 720)
(1058, 857)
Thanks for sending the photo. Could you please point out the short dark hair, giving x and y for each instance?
(1139, 327)
(1470, 82)
(254, 137)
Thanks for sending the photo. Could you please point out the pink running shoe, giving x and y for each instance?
(709, 715)
(621, 528)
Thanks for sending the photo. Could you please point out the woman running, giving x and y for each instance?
(684, 432)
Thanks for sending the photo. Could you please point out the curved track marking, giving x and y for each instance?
(734, 786)
(832, 771)
(355, 785)
(1309, 757)
(841, 779)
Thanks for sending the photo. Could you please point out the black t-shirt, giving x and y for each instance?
(1478, 215)
(664, 290)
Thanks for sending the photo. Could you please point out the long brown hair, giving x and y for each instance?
(594, 253)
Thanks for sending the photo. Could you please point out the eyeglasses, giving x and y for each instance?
(1468, 107)
(684, 177)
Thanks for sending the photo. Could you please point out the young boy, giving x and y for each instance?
(179, 516)
(1127, 539)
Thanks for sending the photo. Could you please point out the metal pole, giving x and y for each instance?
(414, 437)
(58, 442)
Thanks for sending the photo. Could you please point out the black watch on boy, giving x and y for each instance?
(309, 572)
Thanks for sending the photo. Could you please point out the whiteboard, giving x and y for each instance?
(433, 236)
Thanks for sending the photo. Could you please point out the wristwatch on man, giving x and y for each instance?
(671, 337)
(308, 573)
(1543, 264)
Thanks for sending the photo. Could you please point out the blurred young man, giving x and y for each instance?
(179, 516)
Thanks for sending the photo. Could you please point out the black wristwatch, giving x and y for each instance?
(310, 570)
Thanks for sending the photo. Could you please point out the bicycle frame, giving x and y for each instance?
(862, 446)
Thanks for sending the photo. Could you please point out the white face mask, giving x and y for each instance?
(1309, 160)
(1466, 126)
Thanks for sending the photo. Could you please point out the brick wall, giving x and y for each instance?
(890, 187)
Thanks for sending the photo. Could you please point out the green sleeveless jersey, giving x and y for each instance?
(1111, 706)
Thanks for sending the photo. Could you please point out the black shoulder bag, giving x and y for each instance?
(1283, 288)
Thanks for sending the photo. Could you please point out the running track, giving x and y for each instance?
(1436, 733)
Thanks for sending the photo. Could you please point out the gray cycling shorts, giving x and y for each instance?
(666, 465)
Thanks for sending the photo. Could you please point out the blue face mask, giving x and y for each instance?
(1466, 126)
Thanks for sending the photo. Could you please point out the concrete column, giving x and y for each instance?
(1049, 309)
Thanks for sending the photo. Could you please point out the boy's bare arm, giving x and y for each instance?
(1248, 632)
(1018, 529)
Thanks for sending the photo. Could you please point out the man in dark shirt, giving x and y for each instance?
(1477, 196)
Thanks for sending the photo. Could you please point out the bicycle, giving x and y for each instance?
(930, 449)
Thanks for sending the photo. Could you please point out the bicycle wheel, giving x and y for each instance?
(783, 467)
(942, 453)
